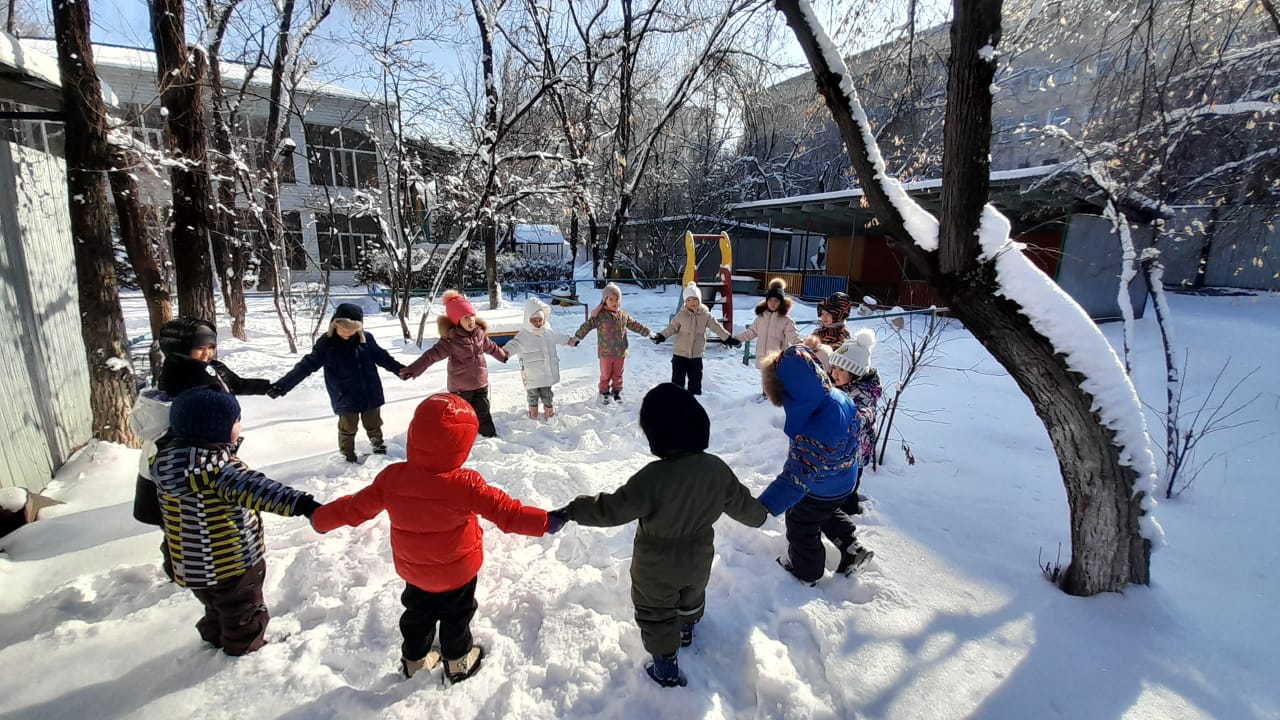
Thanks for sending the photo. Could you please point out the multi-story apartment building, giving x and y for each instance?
(331, 173)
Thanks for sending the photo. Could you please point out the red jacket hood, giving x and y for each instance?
(441, 434)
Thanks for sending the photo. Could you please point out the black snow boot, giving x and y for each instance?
(665, 670)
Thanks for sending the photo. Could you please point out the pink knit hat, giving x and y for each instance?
(456, 306)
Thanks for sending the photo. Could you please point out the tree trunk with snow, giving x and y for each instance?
(140, 242)
(180, 73)
(111, 382)
(1153, 273)
(1108, 549)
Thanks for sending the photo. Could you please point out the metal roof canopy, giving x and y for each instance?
(28, 78)
(1019, 193)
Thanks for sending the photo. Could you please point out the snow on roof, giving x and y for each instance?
(131, 58)
(39, 64)
(998, 176)
(722, 221)
(539, 235)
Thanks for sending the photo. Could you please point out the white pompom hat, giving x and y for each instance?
(691, 291)
(855, 354)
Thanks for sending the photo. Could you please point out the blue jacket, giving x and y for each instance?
(823, 425)
(350, 371)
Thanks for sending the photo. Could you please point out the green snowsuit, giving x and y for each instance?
(676, 500)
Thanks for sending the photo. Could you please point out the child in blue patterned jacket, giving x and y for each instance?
(822, 462)
(210, 503)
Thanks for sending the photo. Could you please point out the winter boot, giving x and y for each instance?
(547, 412)
(533, 412)
(665, 670)
(852, 557)
(430, 661)
(379, 448)
(686, 634)
(604, 397)
(786, 565)
(464, 667)
(617, 396)
(350, 457)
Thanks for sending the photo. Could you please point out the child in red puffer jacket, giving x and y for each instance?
(436, 538)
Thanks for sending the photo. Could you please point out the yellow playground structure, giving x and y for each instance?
(726, 272)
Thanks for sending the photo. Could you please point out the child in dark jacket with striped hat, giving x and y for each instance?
(210, 503)
(350, 358)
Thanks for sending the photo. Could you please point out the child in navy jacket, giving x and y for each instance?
(350, 358)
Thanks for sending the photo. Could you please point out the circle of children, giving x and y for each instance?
(207, 501)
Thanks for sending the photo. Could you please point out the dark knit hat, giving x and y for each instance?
(777, 289)
(350, 311)
(182, 335)
(204, 415)
(674, 421)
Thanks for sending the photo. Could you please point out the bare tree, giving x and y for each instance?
(180, 73)
(111, 382)
(1108, 471)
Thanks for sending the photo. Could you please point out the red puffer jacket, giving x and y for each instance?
(433, 501)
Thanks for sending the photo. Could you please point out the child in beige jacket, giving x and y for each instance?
(689, 326)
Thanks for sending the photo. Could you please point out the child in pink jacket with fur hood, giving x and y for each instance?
(464, 342)
(773, 327)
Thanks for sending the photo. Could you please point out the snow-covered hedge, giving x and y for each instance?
(512, 268)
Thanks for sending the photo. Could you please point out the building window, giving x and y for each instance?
(146, 124)
(1035, 79)
(251, 134)
(341, 157)
(1003, 126)
(45, 135)
(295, 250)
(1103, 64)
(1064, 76)
(343, 240)
(1058, 117)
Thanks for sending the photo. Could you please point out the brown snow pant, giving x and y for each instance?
(349, 423)
(235, 618)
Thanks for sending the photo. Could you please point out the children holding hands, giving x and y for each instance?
(689, 326)
(773, 325)
(539, 363)
(611, 324)
(464, 341)
(436, 539)
(676, 499)
(350, 358)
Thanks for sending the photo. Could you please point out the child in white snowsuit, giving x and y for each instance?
(689, 326)
(539, 364)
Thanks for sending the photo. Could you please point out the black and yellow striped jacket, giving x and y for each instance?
(210, 503)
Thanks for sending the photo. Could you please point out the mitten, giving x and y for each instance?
(733, 342)
(556, 520)
(275, 391)
(658, 338)
(306, 506)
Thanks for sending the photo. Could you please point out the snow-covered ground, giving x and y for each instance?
(952, 619)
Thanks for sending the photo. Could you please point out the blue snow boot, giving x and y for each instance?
(666, 671)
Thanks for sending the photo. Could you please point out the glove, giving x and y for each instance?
(306, 506)
(275, 391)
(733, 342)
(658, 338)
(556, 520)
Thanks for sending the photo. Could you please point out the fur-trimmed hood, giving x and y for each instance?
(784, 307)
(448, 330)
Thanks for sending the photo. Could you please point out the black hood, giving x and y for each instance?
(180, 372)
(349, 311)
(674, 421)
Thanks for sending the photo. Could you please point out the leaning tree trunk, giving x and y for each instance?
(111, 383)
(1108, 549)
(181, 81)
(139, 242)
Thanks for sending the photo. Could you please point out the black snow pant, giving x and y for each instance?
(851, 505)
(235, 616)
(453, 609)
(669, 589)
(690, 367)
(807, 522)
(479, 400)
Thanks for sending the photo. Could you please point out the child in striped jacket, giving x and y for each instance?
(210, 503)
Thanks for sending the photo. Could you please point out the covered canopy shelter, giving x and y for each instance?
(1053, 212)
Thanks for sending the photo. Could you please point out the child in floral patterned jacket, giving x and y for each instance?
(612, 323)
